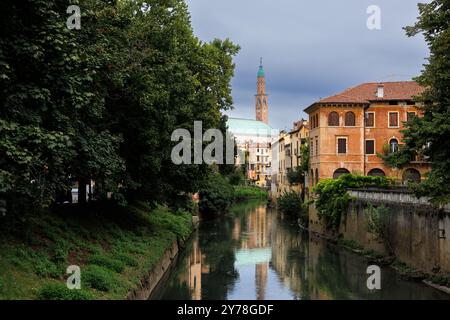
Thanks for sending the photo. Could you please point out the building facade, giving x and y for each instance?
(350, 129)
(289, 146)
(254, 144)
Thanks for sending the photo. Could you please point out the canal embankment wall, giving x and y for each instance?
(418, 234)
(158, 271)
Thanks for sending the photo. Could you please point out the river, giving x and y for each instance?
(253, 254)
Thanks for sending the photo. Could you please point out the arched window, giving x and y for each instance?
(312, 178)
(393, 145)
(350, 119)
(317, 176)
(317, 120)
(340, 172)
(376, 173)
(333, 119)
(411, 175)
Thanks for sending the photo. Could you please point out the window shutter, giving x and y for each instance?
(370, 120)
(393, 119)
(370, 147)
(342, 145)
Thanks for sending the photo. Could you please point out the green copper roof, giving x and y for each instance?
(247, 126)
(261, 72)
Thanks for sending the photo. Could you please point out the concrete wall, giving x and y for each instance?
(419, 234)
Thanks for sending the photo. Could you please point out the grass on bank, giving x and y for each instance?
(115, 249)
(249, 192)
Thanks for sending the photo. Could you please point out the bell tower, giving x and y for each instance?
(262, 105)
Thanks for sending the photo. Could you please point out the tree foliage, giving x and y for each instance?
(216, 195)
(430, 134)
(333, 198)
(101, 103)
(291, 204)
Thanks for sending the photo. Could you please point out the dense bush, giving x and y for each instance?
(333, 199)
(46, 268)
(249, 192)
(59, 291)
(237, 178)
(216, 195)
(107, 262)
(179, 223)
(291, 204)
(98, 278)
(295, 176)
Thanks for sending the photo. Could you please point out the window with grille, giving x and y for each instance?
(341, 145)
(393, 119)
(370, 147)
(350, 119)
(333, 119)
(370, 119)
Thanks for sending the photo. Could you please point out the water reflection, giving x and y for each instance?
(253, 254)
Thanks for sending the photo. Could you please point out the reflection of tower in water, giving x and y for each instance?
(258, 237)
(261, 280)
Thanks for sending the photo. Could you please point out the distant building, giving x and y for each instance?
(349, 129)
(289, 145)
(254, 142)
(254, 137)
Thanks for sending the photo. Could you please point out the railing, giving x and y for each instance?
(396, 195)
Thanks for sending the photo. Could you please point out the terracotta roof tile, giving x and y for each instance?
(366, 92)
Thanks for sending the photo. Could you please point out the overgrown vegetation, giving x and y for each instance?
(291, 204)
(333, 199)
(378, 223)
(115, 250)
(249, 192)
(216, 195)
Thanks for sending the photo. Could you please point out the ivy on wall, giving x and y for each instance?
(333, 198)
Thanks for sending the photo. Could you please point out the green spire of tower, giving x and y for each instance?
(261, 69)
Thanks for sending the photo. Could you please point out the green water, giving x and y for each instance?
(253, 254)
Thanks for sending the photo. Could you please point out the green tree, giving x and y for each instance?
(430, 134)
(172, 79)
(101, 102)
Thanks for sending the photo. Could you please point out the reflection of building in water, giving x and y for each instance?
(315, 248)
(257, 228)
(289, 254)
(261, 280)
(255, 246)
(195, 267)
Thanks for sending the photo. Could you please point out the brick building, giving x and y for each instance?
(349, 129)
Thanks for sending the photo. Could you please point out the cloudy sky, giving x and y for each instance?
(311, 49)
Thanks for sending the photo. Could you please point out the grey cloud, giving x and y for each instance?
(311, 49)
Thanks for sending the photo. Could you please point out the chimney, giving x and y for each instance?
(380, 91)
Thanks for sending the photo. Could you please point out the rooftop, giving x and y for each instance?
(248, 126)
(367, 92)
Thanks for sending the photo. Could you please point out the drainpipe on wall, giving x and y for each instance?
(364, 139)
